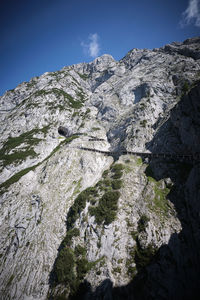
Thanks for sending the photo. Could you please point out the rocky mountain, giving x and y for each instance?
(79, 224)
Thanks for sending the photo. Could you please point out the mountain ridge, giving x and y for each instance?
(127, 219)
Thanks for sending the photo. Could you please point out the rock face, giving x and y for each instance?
(77, 224)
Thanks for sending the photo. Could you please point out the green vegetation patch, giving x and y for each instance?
(80, 251)
(17, 157)
(68, 99)
(14, 142)
(159, 202)
(117, 270)
(96, 128)
(79, 205)
(132, 270)
(127, 161)
(143, 123)
(10, 280)
(134, 234)
(74, 232)
(31, 83)
(142, 223)
(103, 207)
(29, 142)
(76, 113)
(117, 167)
(130, 264)
(116, 184)
(143, 257)
(139, 161)
(5, 185)
(117, 171)
(106, 210)
(185, 88)
(72, 103)
(142, 106)
(105, 173)
(71, 266)
(83, 76)
(81, 96)
(64, 266)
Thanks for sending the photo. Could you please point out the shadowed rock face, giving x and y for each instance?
(84, 225)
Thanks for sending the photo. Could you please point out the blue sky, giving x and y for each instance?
(37, 36)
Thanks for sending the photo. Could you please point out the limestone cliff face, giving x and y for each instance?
(76, 223)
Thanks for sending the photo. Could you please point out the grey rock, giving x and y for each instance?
(146, 102)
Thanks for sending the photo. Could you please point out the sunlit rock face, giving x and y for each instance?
(77, 223)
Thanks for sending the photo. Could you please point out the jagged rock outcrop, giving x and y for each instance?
(75, 222)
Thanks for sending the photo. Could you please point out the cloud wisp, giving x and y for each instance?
(191, 14)
(92, 48)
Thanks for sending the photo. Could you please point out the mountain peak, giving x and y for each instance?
(104, 59)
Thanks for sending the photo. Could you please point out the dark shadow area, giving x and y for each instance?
(64, 131)
(141, 91)
(102, 78)
(173, 271)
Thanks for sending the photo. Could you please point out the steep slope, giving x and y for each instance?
(55, 232)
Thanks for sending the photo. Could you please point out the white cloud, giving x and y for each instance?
(191, 14)
(92, 48)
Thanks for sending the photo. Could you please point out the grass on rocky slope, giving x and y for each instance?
(5, 185)
(105, 210)
(68, 99)
(103, 198)
(71, 264)
(83, 76)
(70, 268)
(11, 154)
(140, 257)
(159, 202)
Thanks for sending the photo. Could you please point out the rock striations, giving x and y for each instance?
(77, 224)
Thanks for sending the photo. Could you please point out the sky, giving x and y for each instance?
(38, 36)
